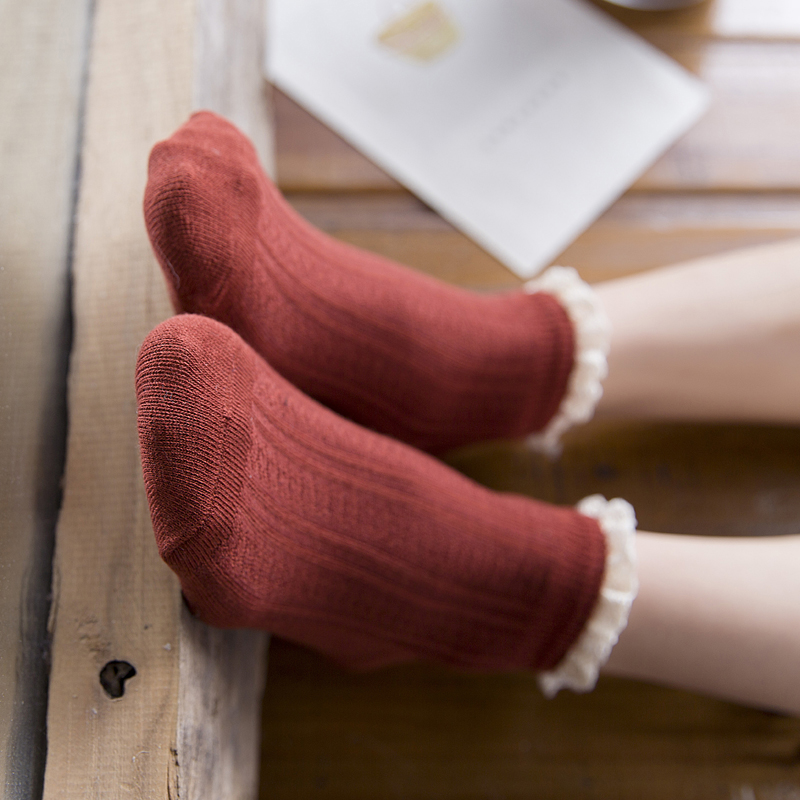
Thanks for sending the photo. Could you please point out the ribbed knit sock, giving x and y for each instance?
(427, 363)
(276, 513)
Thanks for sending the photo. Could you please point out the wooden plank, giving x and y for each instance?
(421, 731)
(229, 57)
(746, 140)
(222, 673)
(721, 480)
(640, 231)
(114, 600)
(41, 60)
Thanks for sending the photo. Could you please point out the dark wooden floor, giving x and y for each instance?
(422, 731)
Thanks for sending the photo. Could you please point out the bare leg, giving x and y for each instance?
(717, 615)
(713, 339)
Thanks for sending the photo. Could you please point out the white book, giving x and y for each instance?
(519, 121)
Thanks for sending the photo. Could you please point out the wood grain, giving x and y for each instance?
(677, 476)
(222, 673)
(113, 598)
(42, 50)
(746, 140)
(196, 692)
(421, 732)
(640, 231)
(229, 54)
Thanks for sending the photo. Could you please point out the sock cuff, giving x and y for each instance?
(579, 668)
(590, 365)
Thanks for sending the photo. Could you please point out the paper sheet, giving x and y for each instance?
(517, 120)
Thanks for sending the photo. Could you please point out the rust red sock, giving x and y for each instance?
(276, 513)
(394, 350)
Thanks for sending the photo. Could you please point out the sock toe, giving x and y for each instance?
(194, 431)
(201, 209)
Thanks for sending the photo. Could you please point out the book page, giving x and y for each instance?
(519, 121)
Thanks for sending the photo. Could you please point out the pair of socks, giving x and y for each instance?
(430, 364)
(336, 529)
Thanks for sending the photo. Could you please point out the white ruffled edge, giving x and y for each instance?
(579, 668)
(592, 339)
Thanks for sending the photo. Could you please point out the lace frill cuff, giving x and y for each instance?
(592, 337)
(579, 668)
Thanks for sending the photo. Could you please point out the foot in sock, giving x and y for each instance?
(401, 353)
(276, 513)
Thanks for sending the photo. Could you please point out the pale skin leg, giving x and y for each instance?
(715, 340)
(718, 616)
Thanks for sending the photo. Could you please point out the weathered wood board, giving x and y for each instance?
(42, 53)
(422, 732)
(230, 37)
(640, 231)
(187, 723)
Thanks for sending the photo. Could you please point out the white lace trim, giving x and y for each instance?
(592, 339)
(579, 668)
